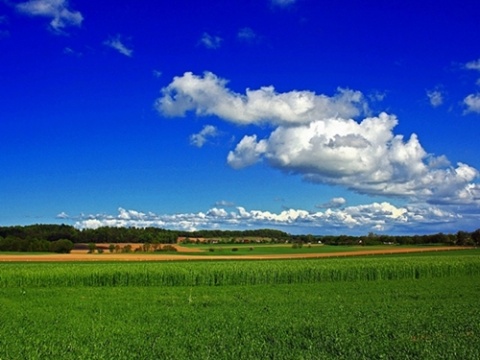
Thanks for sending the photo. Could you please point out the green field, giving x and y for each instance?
(265, 249)
(395, 307)
(284, 249)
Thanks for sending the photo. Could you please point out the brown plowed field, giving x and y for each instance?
(83, 256)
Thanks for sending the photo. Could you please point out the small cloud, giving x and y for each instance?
(58, 10)
(334, 203)
(210, 41)
(435, 97)
(246, 34)
(117, 44)
(157, 74)
(473, 65)
(224, 203)
(472, 102)
(208, 132)
(63, 215)
(247, 152)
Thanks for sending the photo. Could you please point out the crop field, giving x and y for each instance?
(224, 252)
(394, 307)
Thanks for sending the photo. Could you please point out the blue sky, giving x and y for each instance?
(334, 117)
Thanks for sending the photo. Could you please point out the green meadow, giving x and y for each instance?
(377, 307)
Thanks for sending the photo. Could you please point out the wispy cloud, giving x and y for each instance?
(57, 10)
(208, 132)
(435, 97)
(3, 32)
(283, 3)
(224, 203)
(317, 137)
(333, 203)
(210, 41)
(377, 96)
(69, 51)
(117, 44)
(246, 34)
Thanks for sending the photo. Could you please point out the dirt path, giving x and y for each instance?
(76, 256)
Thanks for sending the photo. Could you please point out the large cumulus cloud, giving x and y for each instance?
(366, 157)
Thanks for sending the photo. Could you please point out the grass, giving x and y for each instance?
(231, 272)
(400, 319)
(411, 306)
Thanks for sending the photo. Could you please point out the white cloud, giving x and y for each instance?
(157, 73)
(208, 95)
(317, 137)
(247, 152)
(361, 219)
(472, 102)
(62, 215)
(333, 203)
(473, 65)
(365, 157)
(208, 132)
(210, 41)
(57, 10)
(117, 44)
(435, 97)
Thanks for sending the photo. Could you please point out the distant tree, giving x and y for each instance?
(476, 237)
(91, 247)
(39, 246)
(463, 238)
(146, 247)
(111, 248)
(62, 246)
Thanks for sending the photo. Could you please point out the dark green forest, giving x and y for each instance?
(62, 238)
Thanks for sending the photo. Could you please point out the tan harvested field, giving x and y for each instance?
(82, 255)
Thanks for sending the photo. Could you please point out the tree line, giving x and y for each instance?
(61, 238)
(461, 238)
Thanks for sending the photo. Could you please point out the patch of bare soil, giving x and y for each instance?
(83, 256)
